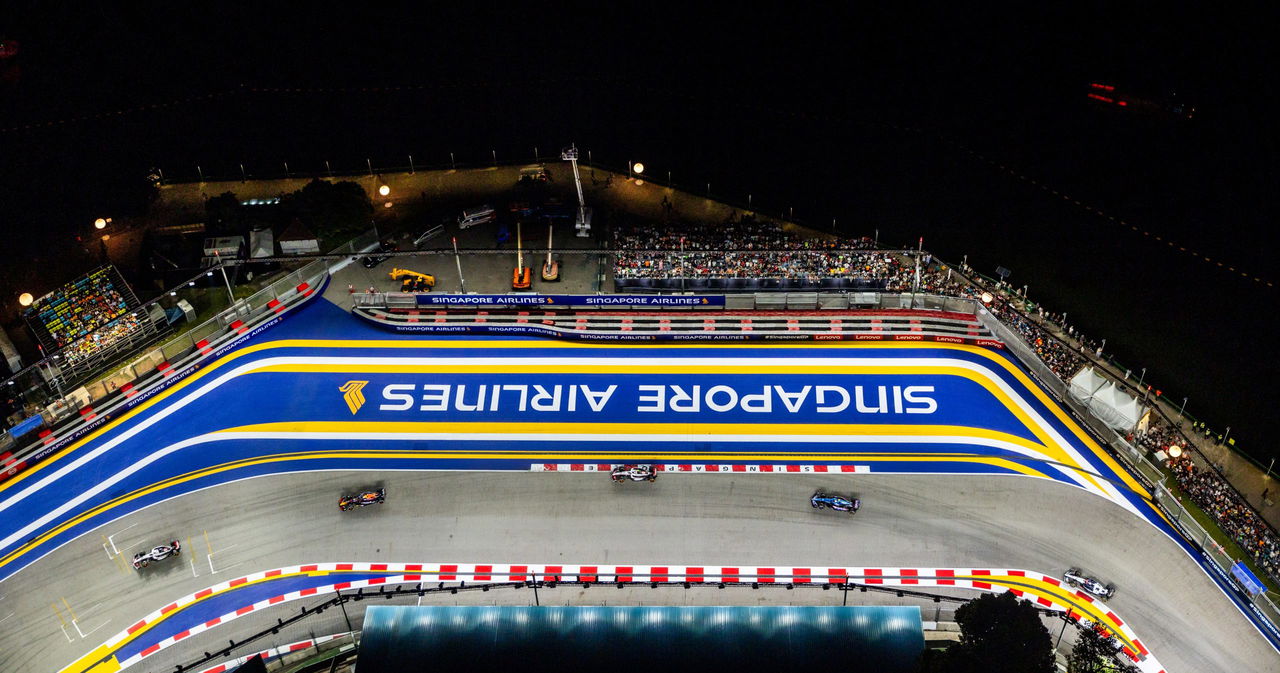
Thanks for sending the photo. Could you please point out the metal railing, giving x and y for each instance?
(1148, 472)
(338, 612)
(52, 393)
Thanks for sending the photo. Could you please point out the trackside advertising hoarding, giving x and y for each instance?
(582, 335)
(519, 300)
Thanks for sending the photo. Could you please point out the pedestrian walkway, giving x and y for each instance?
(1246, 477)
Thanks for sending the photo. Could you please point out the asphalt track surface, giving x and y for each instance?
(287, 403)
(964, 521)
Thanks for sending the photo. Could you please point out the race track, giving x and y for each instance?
(563, 518)
(961, 458)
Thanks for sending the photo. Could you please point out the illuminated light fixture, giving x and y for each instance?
(26, 299)
(987, 297)
(639, 181)
(638, 168)
(106, 237)
(387, 204)
(208, 273)
(172, 293)
(1175, 451)
(100, 223)
(384, 190)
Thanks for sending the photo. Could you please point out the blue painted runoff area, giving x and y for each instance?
(620, 639)
(234, 599)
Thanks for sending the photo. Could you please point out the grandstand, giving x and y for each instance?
(88, 318)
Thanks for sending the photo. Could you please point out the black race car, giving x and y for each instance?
(839, 503)
(1076, 578)
(633, 473)
(157, 553)
(362, 499)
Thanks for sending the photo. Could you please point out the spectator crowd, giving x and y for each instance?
(78, 309)
(120, 330)
(1236, 518)
(748, 248)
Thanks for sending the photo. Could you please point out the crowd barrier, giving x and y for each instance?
(1135, 459)
(747, 284)
(712, 321)
(43, 384)
(205, 344)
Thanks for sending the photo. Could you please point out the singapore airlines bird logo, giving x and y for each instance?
(351, 393)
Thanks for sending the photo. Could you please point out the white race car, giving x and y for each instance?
(1076, 578)
(157, 553)
(633, 473)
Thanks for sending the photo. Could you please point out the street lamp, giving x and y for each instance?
(101, 223)
(638, 168)
(384, 190)
(25, 299)
(987, 297)
(1175, 451)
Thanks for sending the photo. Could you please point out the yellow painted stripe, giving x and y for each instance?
(764, 430)
(1059, 595)
(472, 344)
(492, 343)
(1051, 448)
(91, 662)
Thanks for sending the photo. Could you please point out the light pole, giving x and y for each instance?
(342, 603)
(231, 296)
(1144, 375)
(1182, 409)
(462, 285)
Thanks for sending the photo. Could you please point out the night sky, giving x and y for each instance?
(863, 115)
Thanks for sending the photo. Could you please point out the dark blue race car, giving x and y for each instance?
(839, 503)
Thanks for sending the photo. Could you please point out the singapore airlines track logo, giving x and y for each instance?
(351, 393)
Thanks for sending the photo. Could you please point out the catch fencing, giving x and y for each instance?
(1148, 472)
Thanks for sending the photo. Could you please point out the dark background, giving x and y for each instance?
(861, 115)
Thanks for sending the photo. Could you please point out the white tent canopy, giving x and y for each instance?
(262, 244)
(1116, 408)
(1084, 384)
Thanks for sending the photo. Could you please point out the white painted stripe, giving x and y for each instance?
(831, 362)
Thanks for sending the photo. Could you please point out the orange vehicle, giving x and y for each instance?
(520, 277)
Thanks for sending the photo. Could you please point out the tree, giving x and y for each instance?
(326, 207)
(1000, 632)
(224, 213)
(1096, 653)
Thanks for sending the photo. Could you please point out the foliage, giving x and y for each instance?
(1095, 653)
(326, 207)
(998, 632)
(224, 215)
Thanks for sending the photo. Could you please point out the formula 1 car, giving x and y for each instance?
(633, 473)
(157, 553)
(839, 503)
(1076, 578)
(362, 499)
